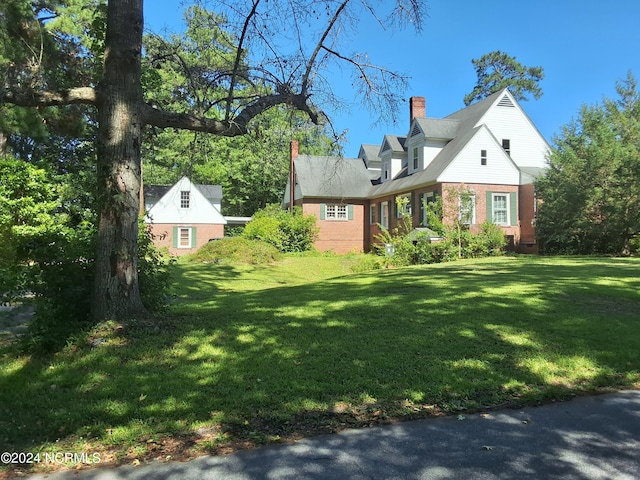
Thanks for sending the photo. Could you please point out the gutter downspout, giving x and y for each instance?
(293, 153)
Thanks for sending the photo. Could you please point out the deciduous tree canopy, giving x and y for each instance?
(274, 53)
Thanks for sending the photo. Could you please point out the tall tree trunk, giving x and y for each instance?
(120, 117)
(3, 143)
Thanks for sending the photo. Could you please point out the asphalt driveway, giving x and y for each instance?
(595, 437)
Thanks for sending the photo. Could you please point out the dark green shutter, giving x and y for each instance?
(349, 212)
(323, 211)
(193, 237)
(514, 208)
(379, 212)
(413, 203)
(489, 207)
(421, 210)
(395, 206)
(176, 232)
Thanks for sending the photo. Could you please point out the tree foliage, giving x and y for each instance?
(181, 71)
(497, 70)
(287, 231)
(591, 191)
(264, 64)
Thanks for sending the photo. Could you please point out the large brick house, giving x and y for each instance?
(490, 149)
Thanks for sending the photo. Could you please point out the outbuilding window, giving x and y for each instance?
(184, 237)
(185, 199)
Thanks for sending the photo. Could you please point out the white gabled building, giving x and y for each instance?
(185, 216)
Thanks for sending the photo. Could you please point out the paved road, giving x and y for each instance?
(587, 438)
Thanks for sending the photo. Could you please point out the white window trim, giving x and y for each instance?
(384, 215)
(427, 198)
(336, 212)
(189, 237)
(473, 210)
(185, 199)
(407, 208)
(386, 171)
(507, 208)
(372, 214)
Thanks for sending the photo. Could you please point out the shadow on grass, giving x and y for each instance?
(259, 365)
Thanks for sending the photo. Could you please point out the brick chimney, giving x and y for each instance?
(417, 108)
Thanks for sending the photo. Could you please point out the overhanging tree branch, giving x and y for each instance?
(30, 98)
(229, 128)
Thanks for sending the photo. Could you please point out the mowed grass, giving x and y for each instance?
(253, 354)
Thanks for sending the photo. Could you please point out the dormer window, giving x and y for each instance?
(506, 145)
(185, 198)
(415, 159)
(483, 157)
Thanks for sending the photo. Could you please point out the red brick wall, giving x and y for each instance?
(339, 236)
(525, 208)
(359, 234)
(480, 191)
(528, 243)
(163, 236)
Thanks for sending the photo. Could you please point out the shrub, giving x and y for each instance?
(366, 263)
(154, 271)
(236, 250)
(410, 249)
(288, 232)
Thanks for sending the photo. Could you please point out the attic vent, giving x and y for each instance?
(415, 131)
(386, 146)
(505, 102)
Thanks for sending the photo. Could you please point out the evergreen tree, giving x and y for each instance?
(591, 192)
(497, 70)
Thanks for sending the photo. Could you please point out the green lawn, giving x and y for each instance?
(251, 354)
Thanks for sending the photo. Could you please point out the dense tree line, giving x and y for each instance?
(590, 195)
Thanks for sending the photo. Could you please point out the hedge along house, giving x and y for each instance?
(185, 216)
(491, 150)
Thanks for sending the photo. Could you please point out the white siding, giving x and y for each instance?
(168, 210)
(395, 161)
(466, 167)
(528, 147)
(415, 142)
(430, 150)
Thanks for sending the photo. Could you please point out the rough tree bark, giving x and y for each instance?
(120, 116)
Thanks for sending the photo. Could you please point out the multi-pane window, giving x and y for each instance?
(427, 198)
(185, 197)
(415, 159)
(384, 214)
(336, 212)
(483, 157)
(184, 238)
(500, 205)
(467, 209)
(372, 215)
(404, 205)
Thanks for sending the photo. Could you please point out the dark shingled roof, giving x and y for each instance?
(158, 191)
(332, 177)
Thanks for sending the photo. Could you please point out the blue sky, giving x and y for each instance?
(584, 46)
